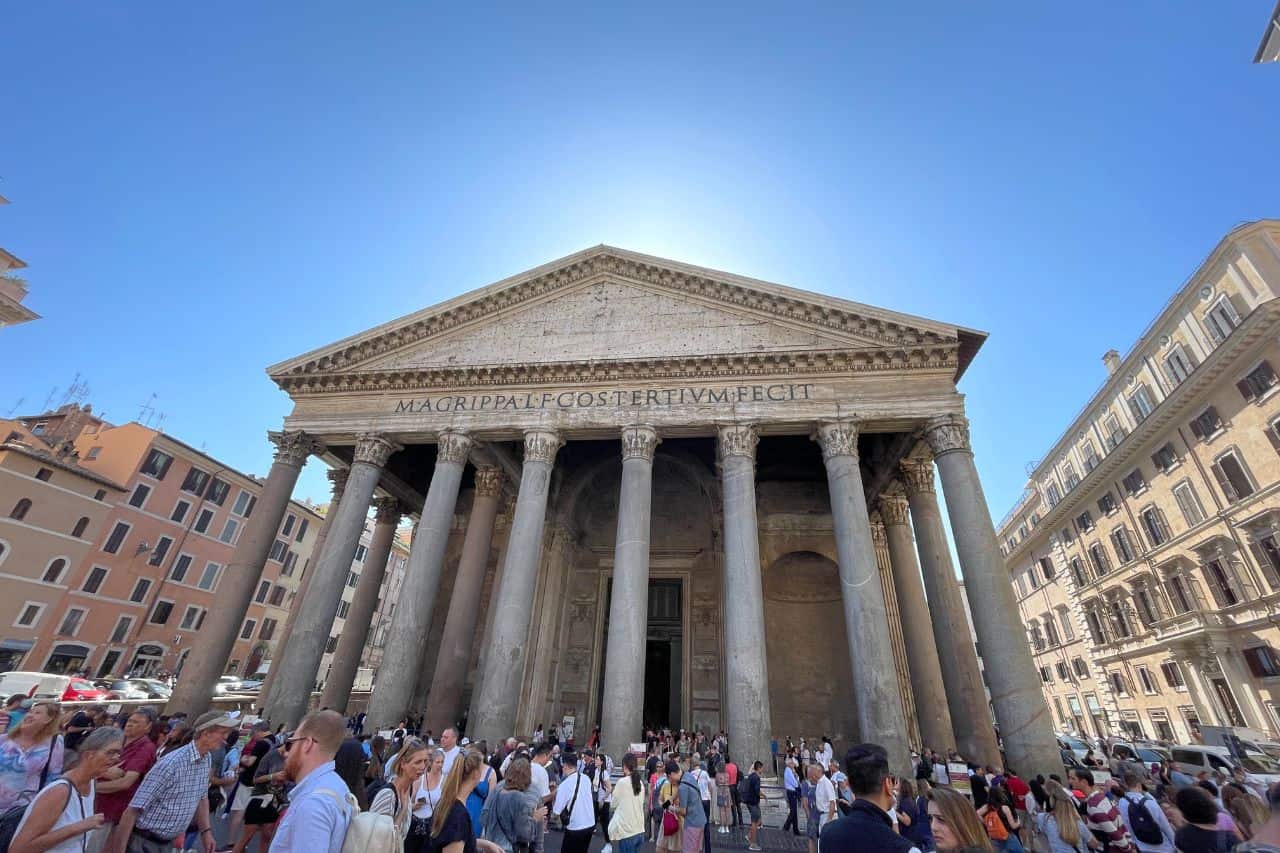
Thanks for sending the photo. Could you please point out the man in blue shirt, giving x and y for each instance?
(791, 782)
(319, 812)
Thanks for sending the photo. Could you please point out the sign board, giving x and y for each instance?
(958, 775)
(638, 749)
(566, 724)
(1101, 778)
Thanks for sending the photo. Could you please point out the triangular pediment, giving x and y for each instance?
(609, 305)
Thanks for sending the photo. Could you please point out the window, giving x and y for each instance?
(1114, 432)
(1067, 536)
(1077, 571)
(1084, 521)
(192, 618)
(277, 596)
(180, 567)
(1064, 674)
(1154, 524)
(157, 464)
(1090, 454)
(290, 560)
(1098, 558)
(289, 521)
(361, 553)
(229, 531)
(1081, 668)
(1070, 477)
(44, 474)
(352, 579)
(1032, 579)
(344, 607)
(195, 482)
(116, 539)
(1141, 404)
(1177, 364)
(160, 613)
(180, 511)
(277, 550)
(1147, 681)
(1046, 566)
(1051, 631)
(203, 520)
(1172, 674)
(209, 576)
(121, 632)
(1045, 675)
(1206, 424)
(1267, 552)
(1233, 477)
(94, 581)
(1107, 504)
(19, 511)
(1120, 619)
(1258, 382)
(140, 494)
(71, 622)
(30, 615)
(1263, 661)
(94, 452)
(331, 645)
(161, 551)
(1221, 319)
(39, 428)
(217, 491)
(53, 572)
(140, 590)
(247, 631)
(100, 495)
(263, 589)
(1064, 619)
(241, 506)
(1119, 684)
(1179, 598)
(1134, 482)
(1096, 631)
(1145, 604)
(268, 629)
(1220, 583)
(1054, 494)
(302, 531)
(1185, 494)
(81, 526)
(1165, 459)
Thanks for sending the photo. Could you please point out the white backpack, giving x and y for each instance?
(367, 832)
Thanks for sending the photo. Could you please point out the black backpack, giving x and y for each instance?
(1143, 823)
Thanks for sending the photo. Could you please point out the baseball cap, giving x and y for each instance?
(217, 719)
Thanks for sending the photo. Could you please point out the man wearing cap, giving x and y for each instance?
(320, 808)
(174, 793)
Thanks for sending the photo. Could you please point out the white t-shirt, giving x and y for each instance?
(451, 755)
(426, 799)
(824, 796)
(539, 781)
(583, 815)
(704, 784)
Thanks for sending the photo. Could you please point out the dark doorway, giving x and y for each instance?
(663, 654)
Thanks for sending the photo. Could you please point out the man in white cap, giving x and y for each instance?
(174, 793)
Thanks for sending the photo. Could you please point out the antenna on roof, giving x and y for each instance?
(48, 401)
(21, 400)
(148, 411)
(77, 392)
(160, 421)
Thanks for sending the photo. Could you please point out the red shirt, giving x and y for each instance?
(137, 756)
(1018, 788)
(732, 770)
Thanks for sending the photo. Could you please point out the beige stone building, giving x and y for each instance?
(12, 289)
(1145, 553)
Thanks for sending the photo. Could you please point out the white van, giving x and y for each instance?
(1259, 769)
(45, 684)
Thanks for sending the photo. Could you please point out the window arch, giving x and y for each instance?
(53, 572)
(20, 509)
(79, 529)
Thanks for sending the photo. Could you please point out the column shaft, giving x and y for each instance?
(621, 719)
(493, 708)
(316, 611)
(444, 699)
(407, 639)
(239, 582)
(346, 657)
(746, 667)
(866, 623)
(917, 632)
(1025, 724)
(961, 677)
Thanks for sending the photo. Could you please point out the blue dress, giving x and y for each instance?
(475, 800)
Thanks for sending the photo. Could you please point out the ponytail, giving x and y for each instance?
(464, 767)
(630, 765)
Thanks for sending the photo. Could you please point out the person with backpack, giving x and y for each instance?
(1001, 822)
(30, 755)
(396, 799)
(749, 793)
(61, 816)
(319, 813)
(1151, 829)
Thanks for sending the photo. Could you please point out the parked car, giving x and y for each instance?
(1075, 744)
(249, 685)
(65, 688)
(80, 690)
(155, 689)
(124, 688)
(226, 684)
(1260, 769)
(1147, 753)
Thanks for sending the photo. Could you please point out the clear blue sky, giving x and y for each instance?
(204, 189)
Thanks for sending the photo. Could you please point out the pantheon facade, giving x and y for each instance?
(651, 494)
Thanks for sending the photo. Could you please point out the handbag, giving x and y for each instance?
(567, 812)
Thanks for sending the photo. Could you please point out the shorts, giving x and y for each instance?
(244, 793)
(754, 811)
(262, 811)
(812, 825)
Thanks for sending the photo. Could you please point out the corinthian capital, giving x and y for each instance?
(894, 508)
(488, 481)
(293, 448)
(878, 535)
(453, 447)
(838, 438)
(374, 449)
(738, 440)
(917, 476)
(387, 511)
(338, 477)
(639, 442)
(541, 445)
(947, 434)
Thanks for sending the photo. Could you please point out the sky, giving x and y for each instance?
(202, 190)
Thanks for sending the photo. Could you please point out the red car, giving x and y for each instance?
(77, 690)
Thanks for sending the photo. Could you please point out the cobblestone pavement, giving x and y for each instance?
(770, 840)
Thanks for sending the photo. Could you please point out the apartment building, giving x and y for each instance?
(1145, 552)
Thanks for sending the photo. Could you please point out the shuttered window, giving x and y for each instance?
(1258, 382)
(1206, 423)
(1232, 476)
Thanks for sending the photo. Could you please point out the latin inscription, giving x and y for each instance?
(644, 398)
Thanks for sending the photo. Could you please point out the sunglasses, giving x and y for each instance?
(288, 744)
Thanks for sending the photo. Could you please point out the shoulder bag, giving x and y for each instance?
(567, 812)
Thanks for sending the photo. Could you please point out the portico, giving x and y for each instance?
(611, 421)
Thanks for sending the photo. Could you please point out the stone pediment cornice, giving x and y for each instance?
(857, 324)
(804, 362)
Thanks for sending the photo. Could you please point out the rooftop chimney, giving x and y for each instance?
(1111, 359)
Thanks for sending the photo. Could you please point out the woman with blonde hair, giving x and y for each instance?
(61, 815)
(30, 755)
(396, 799)
(425, 801)
(955, 825)
(1248, 811)
(451, 829)
(1061, 823)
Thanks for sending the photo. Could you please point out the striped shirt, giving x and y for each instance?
(169, 795)
(1107, 825)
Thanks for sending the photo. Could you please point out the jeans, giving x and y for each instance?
(737, 804)
(630, 845)
(706, 834)
(577, 840)
(793, 820)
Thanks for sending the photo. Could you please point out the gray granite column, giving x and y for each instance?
(866, 623)
(493, 709)
(338, 477)
(961, 677)
(397, 677)
(346, 657)
(746, 668)
(208, 658)
(917, 631)
(444, 699)
(1025, 724)
(301, 658)
(622, 716)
